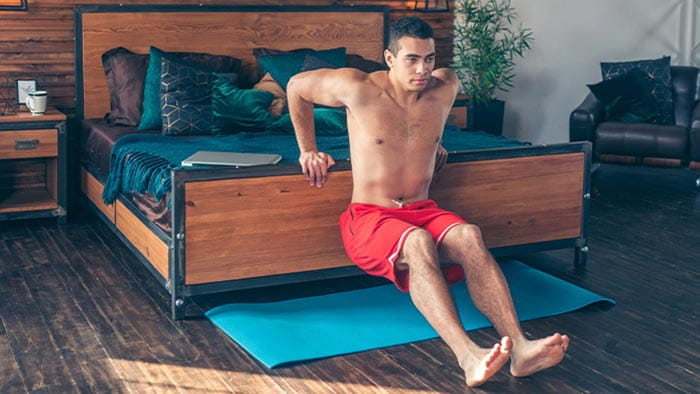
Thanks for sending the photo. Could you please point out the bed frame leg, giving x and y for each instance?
(581, 255)
(177, 307)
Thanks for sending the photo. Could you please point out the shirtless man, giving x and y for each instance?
(391, 229)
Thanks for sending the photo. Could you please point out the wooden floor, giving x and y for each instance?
(79, 314)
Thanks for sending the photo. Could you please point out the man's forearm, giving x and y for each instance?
(303, 121)
(302, 113)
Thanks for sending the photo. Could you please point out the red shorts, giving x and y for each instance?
(373, 236)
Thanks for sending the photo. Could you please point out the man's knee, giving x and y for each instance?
(470, 235)
(419, 248)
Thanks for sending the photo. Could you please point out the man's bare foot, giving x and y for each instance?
(534, 356)
(479, 367)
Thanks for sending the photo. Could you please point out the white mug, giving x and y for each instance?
(36, 102)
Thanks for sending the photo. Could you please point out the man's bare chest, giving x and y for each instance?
(392, 121)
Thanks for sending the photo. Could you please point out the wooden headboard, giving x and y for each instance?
(223, 30)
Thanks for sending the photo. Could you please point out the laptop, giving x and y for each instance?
(232, 159)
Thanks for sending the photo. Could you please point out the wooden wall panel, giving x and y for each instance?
(38, 43)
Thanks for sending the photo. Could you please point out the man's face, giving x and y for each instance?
(414, 62)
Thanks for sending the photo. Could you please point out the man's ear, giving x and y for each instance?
(389, 58)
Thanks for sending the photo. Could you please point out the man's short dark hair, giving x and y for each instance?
(409, 26)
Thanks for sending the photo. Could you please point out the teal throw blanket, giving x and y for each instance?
(142, 162)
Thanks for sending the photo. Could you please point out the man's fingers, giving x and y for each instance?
(315, 168)
(321, 175)
(304, 169)
(310, 173)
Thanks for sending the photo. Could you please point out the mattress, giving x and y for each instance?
(96, 143)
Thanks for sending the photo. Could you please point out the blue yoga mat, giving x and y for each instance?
(329, 325)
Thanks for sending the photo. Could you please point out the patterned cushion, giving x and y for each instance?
(151, 116)
(627, 98)
(659, 71)
(185, 97)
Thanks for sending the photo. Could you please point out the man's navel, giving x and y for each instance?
(379, 141)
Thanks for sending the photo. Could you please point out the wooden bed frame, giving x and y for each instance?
(242, 228)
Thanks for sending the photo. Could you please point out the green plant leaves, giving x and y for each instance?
(485, 46)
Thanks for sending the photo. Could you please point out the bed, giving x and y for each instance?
(236, 228)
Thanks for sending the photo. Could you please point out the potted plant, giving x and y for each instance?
(485, 47)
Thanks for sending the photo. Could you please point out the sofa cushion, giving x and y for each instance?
(627, 98)
(125, 72)
(659, 71)
(641, 140)
(151, 116)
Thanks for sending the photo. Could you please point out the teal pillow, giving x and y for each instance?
(327, 121)
(284, 66)
(151, 116)
(237, 110)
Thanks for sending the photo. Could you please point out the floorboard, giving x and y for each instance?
(81, 314)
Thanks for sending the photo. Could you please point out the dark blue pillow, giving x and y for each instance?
(627, 98)
(312, 62)
(659, 71)
(185, 97)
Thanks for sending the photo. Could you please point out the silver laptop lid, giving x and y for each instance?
(235, 159)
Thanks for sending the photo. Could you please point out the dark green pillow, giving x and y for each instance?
(327, 121)
(284, 66)
(627, 98)
(236, 110)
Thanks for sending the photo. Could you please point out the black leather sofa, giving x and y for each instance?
(645, 143)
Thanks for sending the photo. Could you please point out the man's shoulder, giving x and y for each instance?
(444, 84)
(446, 76)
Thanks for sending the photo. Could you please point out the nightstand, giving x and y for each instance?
(33, 166)
(459, 112)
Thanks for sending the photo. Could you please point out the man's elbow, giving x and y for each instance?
(296, 84)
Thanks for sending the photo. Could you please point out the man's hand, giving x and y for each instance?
(440, 158)
(315, 165)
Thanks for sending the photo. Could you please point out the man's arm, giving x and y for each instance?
(448, 81)
(332, 88)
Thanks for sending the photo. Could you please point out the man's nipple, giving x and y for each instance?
(379, 141)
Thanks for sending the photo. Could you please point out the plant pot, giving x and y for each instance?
(488, 117)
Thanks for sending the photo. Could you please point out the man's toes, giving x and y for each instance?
(554, 339)
(565, 342)
(493, 354)
(506, 344)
